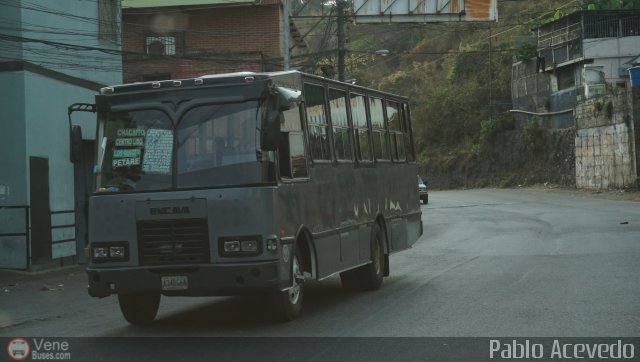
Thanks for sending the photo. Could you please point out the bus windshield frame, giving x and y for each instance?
(209, 145)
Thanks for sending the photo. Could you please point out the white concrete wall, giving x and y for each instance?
(612, 53)
(603, 158)
(605, 154)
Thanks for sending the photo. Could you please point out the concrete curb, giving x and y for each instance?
(8, 275)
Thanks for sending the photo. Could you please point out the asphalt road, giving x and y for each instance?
(491, 263)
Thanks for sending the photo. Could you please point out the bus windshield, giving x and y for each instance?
(211, 145)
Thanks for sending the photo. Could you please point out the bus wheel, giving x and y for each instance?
(368, 277)
(289, 302)
(139, 308)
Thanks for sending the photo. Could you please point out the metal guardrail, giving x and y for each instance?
(27, 229)
(63, 226)
(559, 36)
(600, 26)
(611, 26)
(630, 26)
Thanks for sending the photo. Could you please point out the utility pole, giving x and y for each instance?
(490, 75)
(286, 26)
(340, 4)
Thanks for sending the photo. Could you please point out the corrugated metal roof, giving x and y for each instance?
(134, 4)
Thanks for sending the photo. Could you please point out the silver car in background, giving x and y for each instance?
(422, 189)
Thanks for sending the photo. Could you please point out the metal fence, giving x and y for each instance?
(17, 233)
(610, 26)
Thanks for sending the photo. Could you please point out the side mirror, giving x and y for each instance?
(75, 144)
(288, 98)
(270, 137)
(283, 99)
(75, 133)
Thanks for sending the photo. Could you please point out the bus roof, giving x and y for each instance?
(235, 78)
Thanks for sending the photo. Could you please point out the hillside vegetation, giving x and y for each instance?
(458, 76)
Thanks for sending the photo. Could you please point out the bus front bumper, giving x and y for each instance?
(201, 280)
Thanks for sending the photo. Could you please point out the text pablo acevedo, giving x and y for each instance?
(558, 349)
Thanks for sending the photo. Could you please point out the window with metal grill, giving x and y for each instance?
(169, 44)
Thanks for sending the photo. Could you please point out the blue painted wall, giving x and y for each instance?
(12, 171)
(34, 102)
(73, 22)
(561, 101)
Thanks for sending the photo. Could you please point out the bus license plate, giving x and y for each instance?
(175, 283)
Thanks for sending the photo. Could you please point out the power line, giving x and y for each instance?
(45, 56)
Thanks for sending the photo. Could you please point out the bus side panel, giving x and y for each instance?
(414, 228)
(328, 253)
(326, 206)
(365, 242)
(349, 245)
(399, 240)
(397, 200)
(339, 205)
(402, 208)
(345, 211)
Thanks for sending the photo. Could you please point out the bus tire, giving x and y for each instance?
(368, 277)
(288, 302)
(139, 308)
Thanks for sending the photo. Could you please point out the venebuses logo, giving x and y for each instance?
(18, 349)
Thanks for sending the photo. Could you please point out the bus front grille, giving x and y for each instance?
(181, 241)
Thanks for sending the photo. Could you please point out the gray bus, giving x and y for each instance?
(247, 182)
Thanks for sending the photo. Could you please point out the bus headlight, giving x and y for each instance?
(231, 246)
(240, 246)
(250, 246)
(117, 252)
(109, 251)
(100, 252)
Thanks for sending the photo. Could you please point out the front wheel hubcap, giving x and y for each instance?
(294, 291)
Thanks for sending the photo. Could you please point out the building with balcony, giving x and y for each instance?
(580, 55)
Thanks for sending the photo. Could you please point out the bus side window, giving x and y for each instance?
(379, 130)
(361, 129)
(341, 128)
(406, 130)
(318, 127)
(395, 131)
(292, 159)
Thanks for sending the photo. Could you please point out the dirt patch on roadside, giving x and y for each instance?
(513, 158)
(622, 195)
